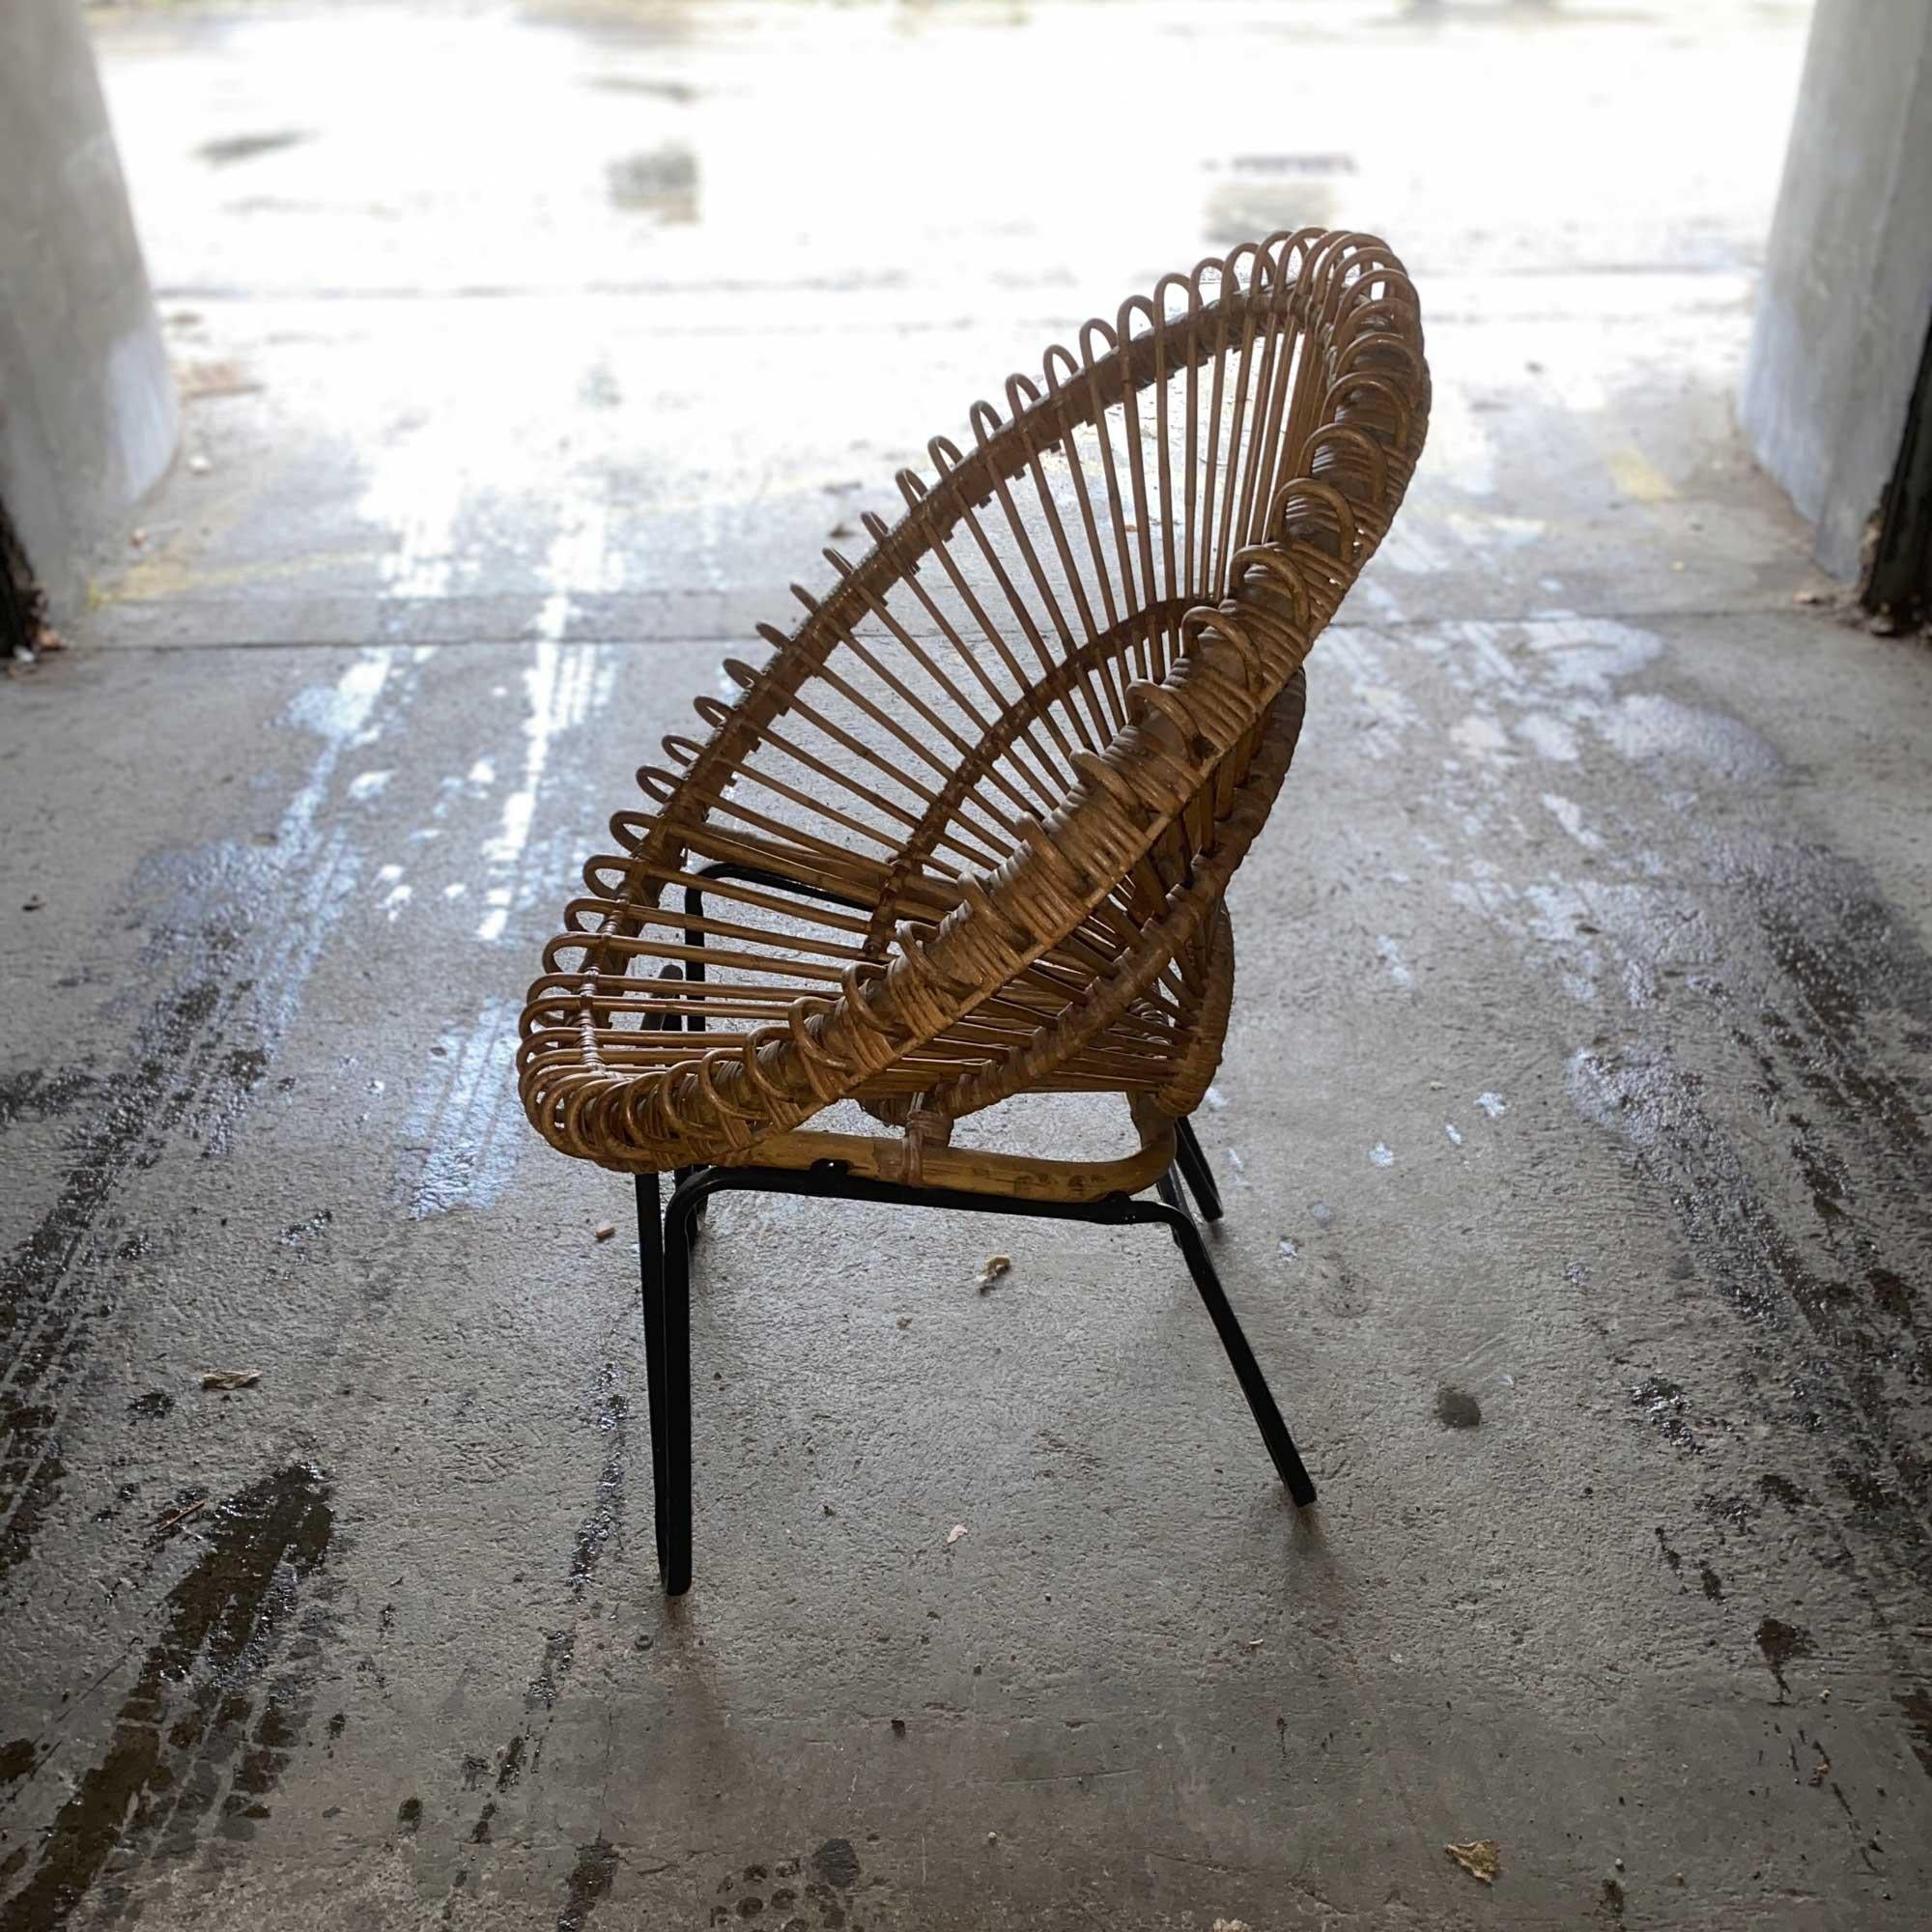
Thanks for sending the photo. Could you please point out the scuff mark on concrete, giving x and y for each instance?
(190, 1743)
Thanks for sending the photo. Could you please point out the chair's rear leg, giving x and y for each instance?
(691, 972)
(1195, 1171)
(678, 1179)
(1247, 1370)
(674, 1456)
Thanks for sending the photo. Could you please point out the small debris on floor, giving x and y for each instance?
(1235, 1161)
(198, 465)
(230, 1378)
(1216, 1099)
(603, 1230)
(178, 1517)
(34, 904)
(996, 1266)
(1231, 1925)
(992, 1837)
(905, 1320)
(953, 1534)
(898, 1727)
(1456, 1408)
(1480, 1857)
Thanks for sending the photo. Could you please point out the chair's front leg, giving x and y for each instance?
(652, 1268)
(1247, 1370)
(673, 1454)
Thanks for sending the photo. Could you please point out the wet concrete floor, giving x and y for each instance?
(1574, 1124)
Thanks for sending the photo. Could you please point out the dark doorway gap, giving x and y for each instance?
(1899, 583)
(23, 606)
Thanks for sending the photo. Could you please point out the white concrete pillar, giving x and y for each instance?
(87, 411)
(1846, 301)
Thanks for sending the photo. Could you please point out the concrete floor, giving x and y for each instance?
(1577, 1076)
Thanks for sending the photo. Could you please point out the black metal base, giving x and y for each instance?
(665, 1245)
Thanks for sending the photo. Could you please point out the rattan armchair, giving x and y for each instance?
(965, 835)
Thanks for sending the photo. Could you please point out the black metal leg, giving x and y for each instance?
(1247, 1370)
(1195, 1171)
(673, 1454)
(651, 1257)
(699, 1206)
(665, 1248)
(694, 1020)
(670, 1332)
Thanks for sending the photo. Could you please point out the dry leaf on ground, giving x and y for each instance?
(1480, 1857)
(231, 1378)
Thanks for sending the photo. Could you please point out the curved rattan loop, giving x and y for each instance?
(965, 834)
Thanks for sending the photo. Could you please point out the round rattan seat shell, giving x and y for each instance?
(966, 833)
